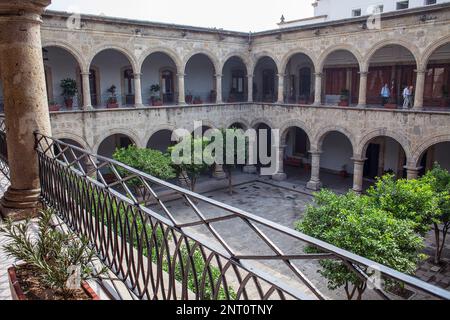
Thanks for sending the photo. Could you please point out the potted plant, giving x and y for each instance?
(55, 265)
(198, 100)
(69, 87)
(112, 100)
(345, 97)
(155, 99)
(445, 102)
(53, 106)
(189, 98)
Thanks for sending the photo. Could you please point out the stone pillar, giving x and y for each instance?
(315, 183)
(419, 91)
(412, 172)
(281, 88)
(218, 88)
(137, 90)
(362, 101)
(181, 90)
(280, 175)
(358, 175)
(87, 103)
(25, 99)
(318, 89)
(219, 173)
(250, 88)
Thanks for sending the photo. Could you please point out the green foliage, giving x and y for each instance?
(51, 254)
(413, 200)
(69, 87)
(354, 223)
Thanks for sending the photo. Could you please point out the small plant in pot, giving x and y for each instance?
(69, 87)
(112, 100)
(189, 98)
(55, 265)
(198, 100)
(53, 106)
(345, 98)
(155, 99)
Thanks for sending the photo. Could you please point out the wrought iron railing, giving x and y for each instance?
(146, 238)
(4, 167)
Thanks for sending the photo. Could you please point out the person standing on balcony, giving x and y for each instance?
(385, 95)
(407, 93)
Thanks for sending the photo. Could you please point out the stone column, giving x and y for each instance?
(315, 183)
(281, 88)
(362, 101)
(358, 174)
(87, 103)
(137, 90)
(25, 99)
(219, 173)
(419, 91)
(412, 172)
(218, 88)
(280, 175)
(250, 88)
(318, 89)
(181, 90)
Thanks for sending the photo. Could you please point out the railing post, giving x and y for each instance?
(26, 106)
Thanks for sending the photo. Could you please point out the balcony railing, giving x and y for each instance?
(157, 254)
(4, 167)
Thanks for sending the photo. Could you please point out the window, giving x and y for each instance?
(356, 13)
(402, 5)
(378, 9)
(430, 2)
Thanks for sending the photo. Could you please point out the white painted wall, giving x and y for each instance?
(151, 68)
(442, 155)
(200, 77)
(337, 152)
(62, 65)
(342, 9)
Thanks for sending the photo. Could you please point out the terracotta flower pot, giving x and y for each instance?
(112, 105)
(390, 106)
(17, 292)
(344, 103)
(68, 103)
(53, 108)
(157, 103)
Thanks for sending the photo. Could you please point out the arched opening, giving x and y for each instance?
(238, 125)
(336, 162)
(437, 153)
(299, 82)
(297, 162)
(61, 65)
(200, 84)
(234, 80)
(341, 78)
(112, 79)
(112, 143)
(437, 79)
(261, 130)
(265, 86)
(394, 66)
(384, 155)
(161, 141)
(159, 75)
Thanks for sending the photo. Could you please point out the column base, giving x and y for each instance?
(250, 169)
(357, 190)
(279, 177)
(20, 204)
(314, 185)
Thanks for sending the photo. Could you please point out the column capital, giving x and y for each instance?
(318, 74)
(137, 74)
(250, 76)
(420, 71)
(181, 75)
(413, 168)
(85, 73)
(315, 152)
(14, 9)
(218, 75)
(363, 73)
(281, 75)
(359, 160)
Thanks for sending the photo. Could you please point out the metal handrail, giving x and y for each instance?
(66, 168)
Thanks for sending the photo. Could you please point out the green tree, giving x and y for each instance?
(149, 161)
(413, 200)
(191, 162)
(351, 222)
(439, 179)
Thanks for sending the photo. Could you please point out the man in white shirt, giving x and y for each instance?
(406, 98)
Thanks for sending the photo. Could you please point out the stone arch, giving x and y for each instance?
(320, 62)
(294, 123)
(284, 62)
(156, 129)
(425, 145)
(211, 56)
(236, 54)
(133, 136)
(172, 54)
(229, 123)
(258, 121)
(257, 57)
(125, 51)
(363, 144)
(430, 50)
(318, 139)
(71, 136)
(70, 49)
(395, 42)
